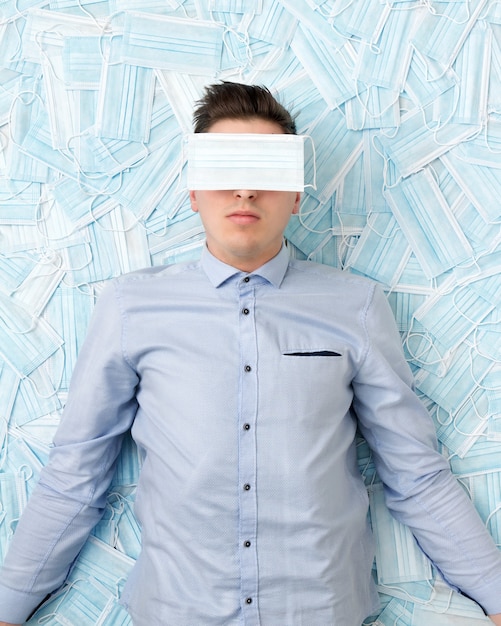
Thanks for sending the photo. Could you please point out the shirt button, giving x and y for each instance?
(247, 487)
(246, 426)
(246, 279)
(248, 368)
(245, 311)
(249, 600)
(247, 544)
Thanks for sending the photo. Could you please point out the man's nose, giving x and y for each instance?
(245, 194)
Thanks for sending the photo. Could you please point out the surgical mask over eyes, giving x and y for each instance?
(218, 161)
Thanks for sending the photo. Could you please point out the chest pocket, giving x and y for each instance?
(314, 380)
(313, 353)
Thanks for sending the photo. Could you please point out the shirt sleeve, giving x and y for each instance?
(420, 489)
(71, 494)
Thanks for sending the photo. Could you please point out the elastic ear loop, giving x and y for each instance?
(482, 421)
(434, 12)
(423, 337)
(494, 512)
(313, 185)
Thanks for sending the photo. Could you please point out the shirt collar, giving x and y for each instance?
(218, 272)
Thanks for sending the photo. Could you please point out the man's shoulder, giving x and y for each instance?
(159, 272)
(330, 275)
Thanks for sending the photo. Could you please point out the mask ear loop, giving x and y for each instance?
(434, 12)
(386, 162)
(426, 338)
(14, 22)
(107, 36)
(243, 38)
(181, 186)
(313, 185)
(19, 14)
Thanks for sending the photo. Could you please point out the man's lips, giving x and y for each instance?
(243, 217)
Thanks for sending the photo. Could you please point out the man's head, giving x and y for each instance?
(244, 227)
(236, 101)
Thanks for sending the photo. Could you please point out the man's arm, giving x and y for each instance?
(420, 489)
(71, 494)
(494, 618)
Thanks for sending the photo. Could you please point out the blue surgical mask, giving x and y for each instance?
(395, 613)
(403, 305)
(386, 62)
(150, 6)
(461, 428)
(236, 6)
(434, 235)
(382, 250)
(101, 562)
(452, 316)
(472, 67)
(8, 87)
(181, 44)
(146, 184)
(327, 67)
(104, 159)
(426, 81)
(128, 464)
(415, 145)
(363, 19)
(75, 305)
(484, 149)
(441, 34)
(82, 60)
(480, 184)
(25, 342)
(35, 398)
(13, 498)
(375, 107)
(9, 382)
(313, 18)
(448, 607)
(273, 24)
(83, 601)
(309, 230)
(330, 130)
(18, 201)
(27, 108)
(125, 104)
(22, 462)
(11, 9)
(453, 387)
(482, 458)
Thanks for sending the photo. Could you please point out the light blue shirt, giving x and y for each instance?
(244, 393)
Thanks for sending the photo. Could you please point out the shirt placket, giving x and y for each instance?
(248, 487)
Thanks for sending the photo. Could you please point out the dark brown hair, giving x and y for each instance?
(227, 100)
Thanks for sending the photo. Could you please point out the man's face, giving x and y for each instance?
(244, 227)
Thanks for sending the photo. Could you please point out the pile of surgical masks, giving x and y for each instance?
(401, 100)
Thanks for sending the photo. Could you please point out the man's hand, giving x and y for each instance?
(494, 618)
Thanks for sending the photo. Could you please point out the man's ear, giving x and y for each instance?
(193, 201)
(297, 202)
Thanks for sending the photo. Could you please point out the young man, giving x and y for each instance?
(243, 378)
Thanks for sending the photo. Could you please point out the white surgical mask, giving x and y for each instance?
(251, 161)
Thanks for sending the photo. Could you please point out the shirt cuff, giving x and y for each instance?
(17, 606)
